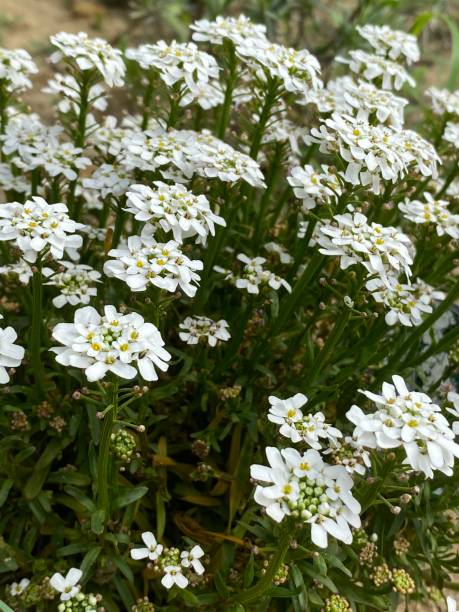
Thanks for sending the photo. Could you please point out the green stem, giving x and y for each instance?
(35, 332)
(119, 222)
(230, 84)
(270, 98)
(276, 166)
(449, 179)
(259, 589)
(104, 453)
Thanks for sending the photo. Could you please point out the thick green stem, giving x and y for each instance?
(35, 331)
(230, 84)
(104, 453)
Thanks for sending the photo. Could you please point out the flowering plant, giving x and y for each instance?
(229, 344)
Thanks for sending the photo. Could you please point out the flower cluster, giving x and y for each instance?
(393, 43)
(432, 211)
(407, 419)
(173, 208)
(254, 275)
(202, 329)
(15, 67)
(235, 29)
(177, 567)
(76, 283)
(307, 488)
(143, 261)
(314, 187)
(110, 343)
(90, 54)
(38, 227)
(380, 249)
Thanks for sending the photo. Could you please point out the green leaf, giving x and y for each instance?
(124, 568)
(454, 64)
(189, 598)
(124, 592)
(98, 521)
(421, 21)
(4, 607)
(220, 585)
(249, 573)
(4, 490)
(129, 497)
(89, 559)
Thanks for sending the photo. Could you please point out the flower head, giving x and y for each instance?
(196, 329)
(236, 29)
(111, 342)
(67, 586)
(75, 283)
(90, 54)
(395, 44)
(15, 67)
(152, 549)
(37, 226)
(11, 354)
(17, 588)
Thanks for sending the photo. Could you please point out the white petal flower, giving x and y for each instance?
(90, 54)
(173, 576)
(432, 211)
(143, 261)
(17, 589)
(375, 67)
(237, 29)
(192, 559)
(444, 101)
(37, 226)
(304, 486)
(66, 87)
(75, 283)
(111, 343)
(314, 187)
(396, 44)
(254, 276)
(15, 67)
(173, 208)
(67, 586)
(410, 420)
(11, 354)
(202, 329)
(152, 549)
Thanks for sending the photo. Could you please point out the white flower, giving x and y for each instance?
(298, 426)
(108, 180)
(393, 43)
(376, 247)
(375, 153)
(66, 86)
(283, 255)
(11, 354)
(254, 276)
(451, 604)
(90, 54)
(198, 328)
(314, 187)
(37, 226)
(15, 67)
(432, 211)
(67, 586)
(237, 29)
(406, 303)
(21, 269)
(192, 559)
(152, 551)
(298, 71)
(75, 283)
(176, 62)
(143, 261)
(12, 182)
(350, 454)
(444, 101)
(24, 136)
(451, 133)
(304, 486)
(374, 67)
(173, 208)
(111, 343)
(19, 588)
(56, 158)
(408, 419)
(173, 576)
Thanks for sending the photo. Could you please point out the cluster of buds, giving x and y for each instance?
(226, 393)
(381, 575)
(402, 582)
(281, 576)
(36, 593)
(203, 472)
(401, 545)
(123, 445)
(44, 410)
(58, 423)
(19, 421)
(82, 603)
(200, 448)
(368, 554)
(255, 323)
(336, 603)
(312, 499)
(143, 605)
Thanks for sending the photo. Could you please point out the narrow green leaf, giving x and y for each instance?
(4, 490)
(98, 521)
(129, 497)
(89, 559)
